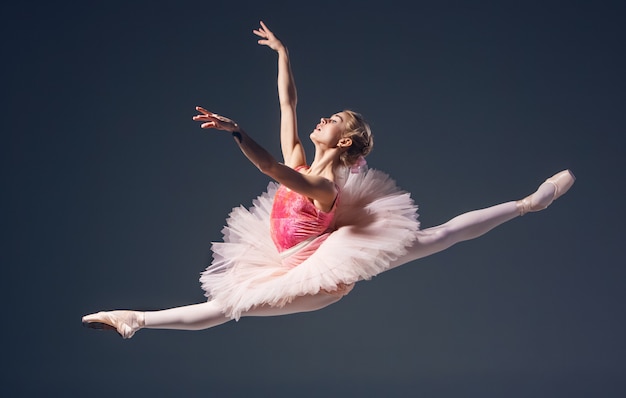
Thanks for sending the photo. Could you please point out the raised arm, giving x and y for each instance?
(293, 152)
(320, 189)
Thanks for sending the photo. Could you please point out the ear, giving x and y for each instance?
(345, 142)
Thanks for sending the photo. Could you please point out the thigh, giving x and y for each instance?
(428, 241)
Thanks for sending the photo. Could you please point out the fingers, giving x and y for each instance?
(212, 120)
(207, 115)
(202, 110)
(263, 31)
(210, 115)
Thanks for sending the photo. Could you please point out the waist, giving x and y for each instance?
(297, 247)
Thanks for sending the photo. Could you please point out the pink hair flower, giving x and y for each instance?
(359, 165)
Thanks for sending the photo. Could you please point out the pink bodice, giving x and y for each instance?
(295, 218)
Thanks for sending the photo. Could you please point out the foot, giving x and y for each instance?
(553, 188)
(126, 323)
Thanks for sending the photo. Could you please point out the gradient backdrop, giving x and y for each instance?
(112, 194)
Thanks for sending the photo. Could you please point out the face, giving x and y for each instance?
(329, 130)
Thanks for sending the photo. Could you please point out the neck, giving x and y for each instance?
(325, 163)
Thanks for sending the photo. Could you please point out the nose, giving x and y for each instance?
(322, 122)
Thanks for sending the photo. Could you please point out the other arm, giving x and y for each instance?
(317, 188)
(293, 152)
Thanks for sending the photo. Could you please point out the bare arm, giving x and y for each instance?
(293, 152)
(320, 189)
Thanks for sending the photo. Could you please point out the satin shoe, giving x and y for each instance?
(126, 323)
(561, 182)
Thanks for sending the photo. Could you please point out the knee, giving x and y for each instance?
(341, 290)
(436, 239)
(327, 299)
(441, 235)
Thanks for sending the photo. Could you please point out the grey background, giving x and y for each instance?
(112, 194)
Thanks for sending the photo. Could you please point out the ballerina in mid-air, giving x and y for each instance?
(320, 229)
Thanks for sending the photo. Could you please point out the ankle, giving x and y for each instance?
(141, 319)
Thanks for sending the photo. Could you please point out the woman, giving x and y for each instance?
(326, 226)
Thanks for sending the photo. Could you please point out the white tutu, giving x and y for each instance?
(375, 222)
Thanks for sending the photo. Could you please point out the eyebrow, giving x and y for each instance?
(337, 115)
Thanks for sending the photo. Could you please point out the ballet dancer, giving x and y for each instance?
(319, 229)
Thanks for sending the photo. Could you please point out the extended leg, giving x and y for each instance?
(476, 223)
(209, 314)
(461, 228)
(195, 316)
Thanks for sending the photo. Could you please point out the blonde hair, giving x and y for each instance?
(358, 130)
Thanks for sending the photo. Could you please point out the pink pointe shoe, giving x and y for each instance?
(126, 323)
(561, 182)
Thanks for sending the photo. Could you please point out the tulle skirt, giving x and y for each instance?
(375, 222)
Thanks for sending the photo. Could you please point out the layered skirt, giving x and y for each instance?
(375, 222)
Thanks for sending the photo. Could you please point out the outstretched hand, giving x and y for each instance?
(214, 121)
(268, 38)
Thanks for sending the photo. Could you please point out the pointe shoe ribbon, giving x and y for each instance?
(561, 181)
(126, 323)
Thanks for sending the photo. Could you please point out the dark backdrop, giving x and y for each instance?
(112, 194)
